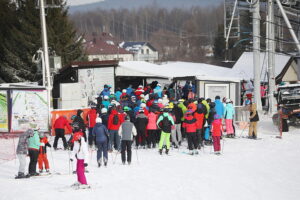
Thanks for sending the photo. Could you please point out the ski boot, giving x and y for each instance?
(160, 151)
(191, 152)
(167, 151)
(20, 175)
(196, 152)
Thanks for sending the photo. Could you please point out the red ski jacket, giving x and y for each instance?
(112, 126)
(61, 123)
(190, 124)
(200, 119)
(91, 117)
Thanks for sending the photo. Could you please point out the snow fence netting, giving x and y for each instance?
(8, 144)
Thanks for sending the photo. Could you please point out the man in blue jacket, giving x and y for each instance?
(100, 132)
(219, 107)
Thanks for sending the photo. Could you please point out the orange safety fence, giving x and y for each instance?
(68, 113)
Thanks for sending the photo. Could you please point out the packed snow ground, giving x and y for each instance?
(248, 169)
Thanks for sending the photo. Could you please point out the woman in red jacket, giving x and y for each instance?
(190, 126)
(216, 129)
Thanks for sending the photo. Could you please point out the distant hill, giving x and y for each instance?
(130, 4)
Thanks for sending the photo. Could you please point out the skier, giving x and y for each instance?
(91, 118)
(22, 150)
(216, 129)
(114, 122)
(59, 126)
(254, 118)
(104, 116)
(127, 131)
(33, 150)
(229, 116)
(100, 132)
(80, 152)
(178, 115)
(151, 129)
(79, 120)
(105, 91)
(141, 124)
(105, 102)
(219, 106)
(165, 122)
(190, 126)
(42, 159)
(199, 116)
(139, 92)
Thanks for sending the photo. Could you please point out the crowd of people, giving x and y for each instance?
(147, 117)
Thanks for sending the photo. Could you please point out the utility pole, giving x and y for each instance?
(271, 56)
(256, 53)
(46, 58)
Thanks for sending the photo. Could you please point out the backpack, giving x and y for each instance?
(166, 125)
(115, 119)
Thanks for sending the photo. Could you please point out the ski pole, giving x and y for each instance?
(223, 145)
(137, 157)
(243, 130)
(69, 162)
(52, 159)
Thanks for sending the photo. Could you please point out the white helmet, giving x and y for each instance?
(124, 91)
(104, 110)
(105, 97)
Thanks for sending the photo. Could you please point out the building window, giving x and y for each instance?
(147, 51)
(142, 51)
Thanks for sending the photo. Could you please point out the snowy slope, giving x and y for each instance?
(248, 169)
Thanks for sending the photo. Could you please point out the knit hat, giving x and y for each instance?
(124, 91)
(98, 120)
(105, 97)
(228, 101)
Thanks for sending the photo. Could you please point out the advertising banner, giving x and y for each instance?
(29, 106)
(3, 111)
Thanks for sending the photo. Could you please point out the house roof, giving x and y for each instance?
(135, 46)
(243, 68)
(101, 47)
(103, 44)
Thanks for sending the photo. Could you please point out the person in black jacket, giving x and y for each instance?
(100, 132)
(79, 120)
(104, 116)
(141, 124)
(178, 115)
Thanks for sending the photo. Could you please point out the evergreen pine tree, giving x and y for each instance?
(20, 38)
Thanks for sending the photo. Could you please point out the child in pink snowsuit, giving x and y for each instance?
(216, 129)
(80, 152)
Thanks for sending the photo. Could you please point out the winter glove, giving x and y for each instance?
(71, 159)
(85, 164)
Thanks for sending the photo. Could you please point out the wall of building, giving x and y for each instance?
(121, 57)
(146, 54)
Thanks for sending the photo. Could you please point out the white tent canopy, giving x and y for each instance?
(243, 68)
(175, 69)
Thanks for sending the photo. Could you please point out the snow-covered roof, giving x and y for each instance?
(176, 69)
(243, 68)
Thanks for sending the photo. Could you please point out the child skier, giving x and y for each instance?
(80, 152)
(216, 129)
(42, 159)
(166, 126)
(190, 126)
